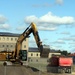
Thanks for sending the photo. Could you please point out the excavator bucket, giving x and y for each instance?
(44, 51)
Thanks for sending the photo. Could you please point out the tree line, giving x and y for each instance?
(64, 52)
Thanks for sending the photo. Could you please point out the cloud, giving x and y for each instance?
(5, 26)
(30, 19)
(72, 43)
(47, 4)
(72, 35)
(43, 5)
(49, 18)
(21, 28)
(35, 5)
(59, 2)
(66, 33)
(3, 19)
(58, 42)
(48, 28)
(53, 19)
(56, 47)
(49, 21)
(69, 38)
(32, 42)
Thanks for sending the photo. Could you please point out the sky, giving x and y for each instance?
(55, 21)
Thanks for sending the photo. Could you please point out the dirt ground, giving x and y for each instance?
(22, 70)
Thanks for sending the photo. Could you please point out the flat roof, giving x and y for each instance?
(34, 49)
(9, 34)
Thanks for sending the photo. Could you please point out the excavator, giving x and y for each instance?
(16, 55)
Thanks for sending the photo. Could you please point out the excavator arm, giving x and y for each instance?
(43, 49)
(31, 29)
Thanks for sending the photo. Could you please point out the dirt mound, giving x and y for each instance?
(23, 70)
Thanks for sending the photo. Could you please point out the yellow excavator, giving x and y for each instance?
(16, 56)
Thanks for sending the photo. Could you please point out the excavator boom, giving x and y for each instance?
(31, 29)
(43, 49)
(16, 56)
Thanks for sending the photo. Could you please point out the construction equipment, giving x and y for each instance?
(60, 64)
(17, 54)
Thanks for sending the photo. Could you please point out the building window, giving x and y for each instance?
(36, 60)
(24, 46)
(3, 45)
(11, 39)
(31, 60)
(25, 39)
(11, 45)
(3, 38)
(31, 54)
(0, 38)
(36, 54)
(7, 38)
(15, 39)
(7, 45)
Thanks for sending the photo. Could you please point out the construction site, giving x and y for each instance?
(16, 58)
(37, 37)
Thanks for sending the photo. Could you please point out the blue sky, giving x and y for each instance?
(55, 20)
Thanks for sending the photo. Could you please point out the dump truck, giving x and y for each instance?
(60, 64)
